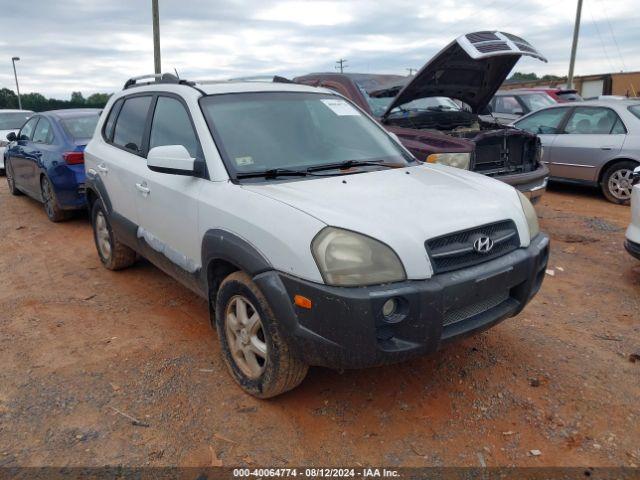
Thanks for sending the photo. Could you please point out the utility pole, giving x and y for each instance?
(156, 36)
(411, 70)
(14, 60)
(341, 64)
(574, 46)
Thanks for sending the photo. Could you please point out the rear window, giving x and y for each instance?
(81, 127)
(13, 120)
(635, 109)
(536, 101)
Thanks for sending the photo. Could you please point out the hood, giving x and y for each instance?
(402, 207)
(471, 69)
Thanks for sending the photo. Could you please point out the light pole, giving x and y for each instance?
(574, 45)
(156, 36)
(14, 60)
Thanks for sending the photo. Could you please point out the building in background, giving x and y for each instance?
(590, 86)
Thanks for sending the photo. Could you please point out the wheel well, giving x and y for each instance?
(217, 271)
(91, 198)
(611, 162)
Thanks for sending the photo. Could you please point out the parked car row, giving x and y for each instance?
(314, 234)
(421, 112)
(10, 122)
(593, 142)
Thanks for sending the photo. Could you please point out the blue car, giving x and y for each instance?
(45, 160)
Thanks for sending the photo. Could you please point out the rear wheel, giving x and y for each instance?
(11, 180)
(113, 254)
(617, 182)
(255, 350)
(51, 206)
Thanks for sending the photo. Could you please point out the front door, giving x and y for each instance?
(18, 157)
(592, 136)
(168, 203)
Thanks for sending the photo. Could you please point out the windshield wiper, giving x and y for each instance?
(273, 173)
(348, 164)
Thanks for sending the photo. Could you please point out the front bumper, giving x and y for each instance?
(346, 329)
(531, 184)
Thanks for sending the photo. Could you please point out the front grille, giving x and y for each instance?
(469, 311)
(504, 154)
(455, 251)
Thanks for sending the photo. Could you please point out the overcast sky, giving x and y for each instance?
(94, 46)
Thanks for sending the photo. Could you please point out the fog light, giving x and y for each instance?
(389, 307)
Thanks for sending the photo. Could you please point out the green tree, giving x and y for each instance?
(34, 101)
(98, 100)
(77, 100)
(8, 98)
(523, 77)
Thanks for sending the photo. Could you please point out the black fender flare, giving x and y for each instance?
(96, 185)
(218, 244)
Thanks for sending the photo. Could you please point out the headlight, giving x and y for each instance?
(530, 214)
(350, 259)
(458, 160)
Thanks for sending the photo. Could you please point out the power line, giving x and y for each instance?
(604, 48)
(341, 64)
(615, 41)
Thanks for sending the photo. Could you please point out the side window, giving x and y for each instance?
(111, 120)
(592, 121)
(26, 133)
(618, 128)
(505, 104)
(129, 128)
(545, 121)
(171, 126)
(43, 133)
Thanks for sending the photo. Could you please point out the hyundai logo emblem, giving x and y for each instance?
(483, 244)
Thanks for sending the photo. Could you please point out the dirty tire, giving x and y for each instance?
(614, 175)
(282, 370)
(50, 202)
(117, 256)
(11, 180)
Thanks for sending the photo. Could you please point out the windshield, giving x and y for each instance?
(635, 109)
(379, 105)
(536, 101)
(13, 120)
(257, 132)
(81, 127)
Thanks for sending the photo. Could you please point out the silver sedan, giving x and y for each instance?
(595, 142)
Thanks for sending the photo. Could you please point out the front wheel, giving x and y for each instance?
(255, 350)
(617, 182)
(113, 254)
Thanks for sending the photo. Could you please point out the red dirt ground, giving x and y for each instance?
(78, 342)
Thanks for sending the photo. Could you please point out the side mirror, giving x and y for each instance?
(12, 137)
(173, 159)
(635, 179)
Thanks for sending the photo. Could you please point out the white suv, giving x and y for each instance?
(313, 233)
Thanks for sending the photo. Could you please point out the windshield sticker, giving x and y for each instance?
(340, 107)
(244, 161)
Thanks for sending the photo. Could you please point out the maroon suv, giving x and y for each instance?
(422, 112)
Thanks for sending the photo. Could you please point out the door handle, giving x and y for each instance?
(102, 168)
(142, 187)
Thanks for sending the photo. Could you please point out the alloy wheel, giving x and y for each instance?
(102, 236)
(10, 180)
(620, 184)
(47, 196)
(245, 336)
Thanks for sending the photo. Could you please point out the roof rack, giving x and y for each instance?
(157, 78)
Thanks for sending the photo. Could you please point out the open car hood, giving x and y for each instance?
(471, 69)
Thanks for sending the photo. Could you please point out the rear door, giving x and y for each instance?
(37, 151)
(168, 203)
(20, 164)
(125, 164)
(592, 136)
(546, 124)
